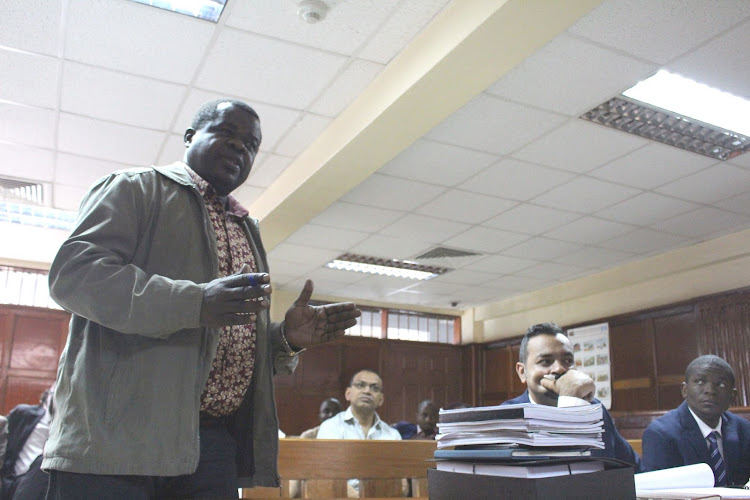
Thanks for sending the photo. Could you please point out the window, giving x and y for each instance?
(25, 287)
(406, 325)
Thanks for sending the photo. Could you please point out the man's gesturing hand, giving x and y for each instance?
(571, 383)
(231, 300)
(307, 325)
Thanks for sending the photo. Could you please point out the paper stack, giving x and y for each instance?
(522, 424)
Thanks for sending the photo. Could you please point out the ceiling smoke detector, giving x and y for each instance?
(312, 11)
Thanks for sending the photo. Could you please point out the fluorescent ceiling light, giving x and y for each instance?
(385, 267)
(210, 10)
(695, 100)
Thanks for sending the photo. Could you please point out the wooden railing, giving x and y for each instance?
(325, 465)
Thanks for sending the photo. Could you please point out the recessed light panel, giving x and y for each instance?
(210, 10)
(385, 267)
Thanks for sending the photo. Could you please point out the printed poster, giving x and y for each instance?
(591, 354)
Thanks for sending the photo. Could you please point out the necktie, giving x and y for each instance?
(715, 460)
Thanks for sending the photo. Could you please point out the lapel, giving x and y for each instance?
(692, 432)
(730, 442)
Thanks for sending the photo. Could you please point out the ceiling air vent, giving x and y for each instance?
(25, 191)
(443, 252)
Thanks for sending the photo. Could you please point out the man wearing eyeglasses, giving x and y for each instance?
(360, 420)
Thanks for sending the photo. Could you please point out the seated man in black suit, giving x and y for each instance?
(544, 365)
(701, 430)
(28, 429)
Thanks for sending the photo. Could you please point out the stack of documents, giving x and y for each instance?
(522, 424)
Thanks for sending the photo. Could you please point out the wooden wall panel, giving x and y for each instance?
(632, 355)
(31, 340)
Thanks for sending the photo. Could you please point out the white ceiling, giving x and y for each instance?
(92, 86)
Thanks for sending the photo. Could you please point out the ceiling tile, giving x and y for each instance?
(742, 160)
(644, 241)
(651, 166)
(391, 192)
(594, 258)
(516, 180)
(346, 26)
(719, 63)
(589, 231)
(333, 277)
(350, 216)
(466, 207)
(25, 125)
(390, 247)
(404, 24)
(346, 87)
(704, 222)
(424, 228)
(500, 264)
(114, 96)
(258, 74)
(646, 209)
(32, 25)
(522, 283)
(82, 172)
(494, 125)
(552, 271)
(109, 141)
(288, 268)
(266, 169)
(326, 237)
(579, 146)
(710, 185)
(149, 42)
(739, 204)
(485, 240)
(247, 195)
(585, 195)
(302, 134)
(437, 163)
(29, 79)
(542, 249)
(531, 219)
(629, 25)
(467, 277)
(172, 150)
(314, 257)
(585, 76)
(67, 197)
(23, 162)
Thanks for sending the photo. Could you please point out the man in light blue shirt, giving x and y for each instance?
(360, 420)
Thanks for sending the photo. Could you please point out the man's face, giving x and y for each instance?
(328, 409)
(366, 392)
(546, 354)
(709, 392)
(222, 151)
(427, 419)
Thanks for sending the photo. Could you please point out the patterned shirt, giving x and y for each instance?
(232, 368)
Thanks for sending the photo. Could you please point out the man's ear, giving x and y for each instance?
(683, 390)
(347, 394)
(521, 371)
(382, 398)
(188, 137)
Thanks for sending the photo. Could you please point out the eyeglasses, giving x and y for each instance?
(364, 385)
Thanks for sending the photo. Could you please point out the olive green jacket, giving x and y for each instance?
(136, 361)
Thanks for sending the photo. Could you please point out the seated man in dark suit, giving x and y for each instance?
(544, 365)
(28, 429)
(426, 426)
(701, 430)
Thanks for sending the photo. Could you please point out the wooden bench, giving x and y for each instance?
(326, 464)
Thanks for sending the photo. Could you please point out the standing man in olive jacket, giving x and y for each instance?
(165, 386)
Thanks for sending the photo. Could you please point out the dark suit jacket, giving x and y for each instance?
(675, 439)
(615, 446)
(21, 422)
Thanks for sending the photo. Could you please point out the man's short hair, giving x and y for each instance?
(709, 360)
(351, 380)
(209, 110)
(533, 331)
